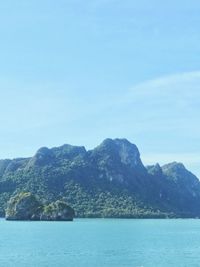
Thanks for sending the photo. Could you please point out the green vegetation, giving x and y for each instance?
(108, 181)
(25, 206)
(57, 211)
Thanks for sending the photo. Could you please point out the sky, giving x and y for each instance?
(78, 72)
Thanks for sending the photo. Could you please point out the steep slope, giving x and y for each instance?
(108, 181)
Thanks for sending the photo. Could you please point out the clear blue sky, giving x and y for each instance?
(80, 71)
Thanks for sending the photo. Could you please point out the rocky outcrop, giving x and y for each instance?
(57, 211)
(25, 206)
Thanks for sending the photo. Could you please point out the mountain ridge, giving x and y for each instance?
(107, 181)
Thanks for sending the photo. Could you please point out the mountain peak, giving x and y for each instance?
(69, 151)
(121, 150)
(177, 172)
(43, 156)
(175, 166)
(175, 163)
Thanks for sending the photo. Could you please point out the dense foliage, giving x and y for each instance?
(108, 181)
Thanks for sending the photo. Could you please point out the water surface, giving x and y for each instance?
(100, 243)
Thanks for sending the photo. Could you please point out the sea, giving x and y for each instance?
(101, 243)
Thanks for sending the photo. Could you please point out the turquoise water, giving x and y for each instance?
(100, 242)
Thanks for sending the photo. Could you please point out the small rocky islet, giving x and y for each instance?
(26, 206)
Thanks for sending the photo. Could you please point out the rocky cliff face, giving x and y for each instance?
(118, 151)
(117, 160)
(108, 181)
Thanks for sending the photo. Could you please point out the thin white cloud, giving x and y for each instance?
(181, 83)
(173, 98)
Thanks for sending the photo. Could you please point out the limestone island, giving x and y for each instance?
(26, 207)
